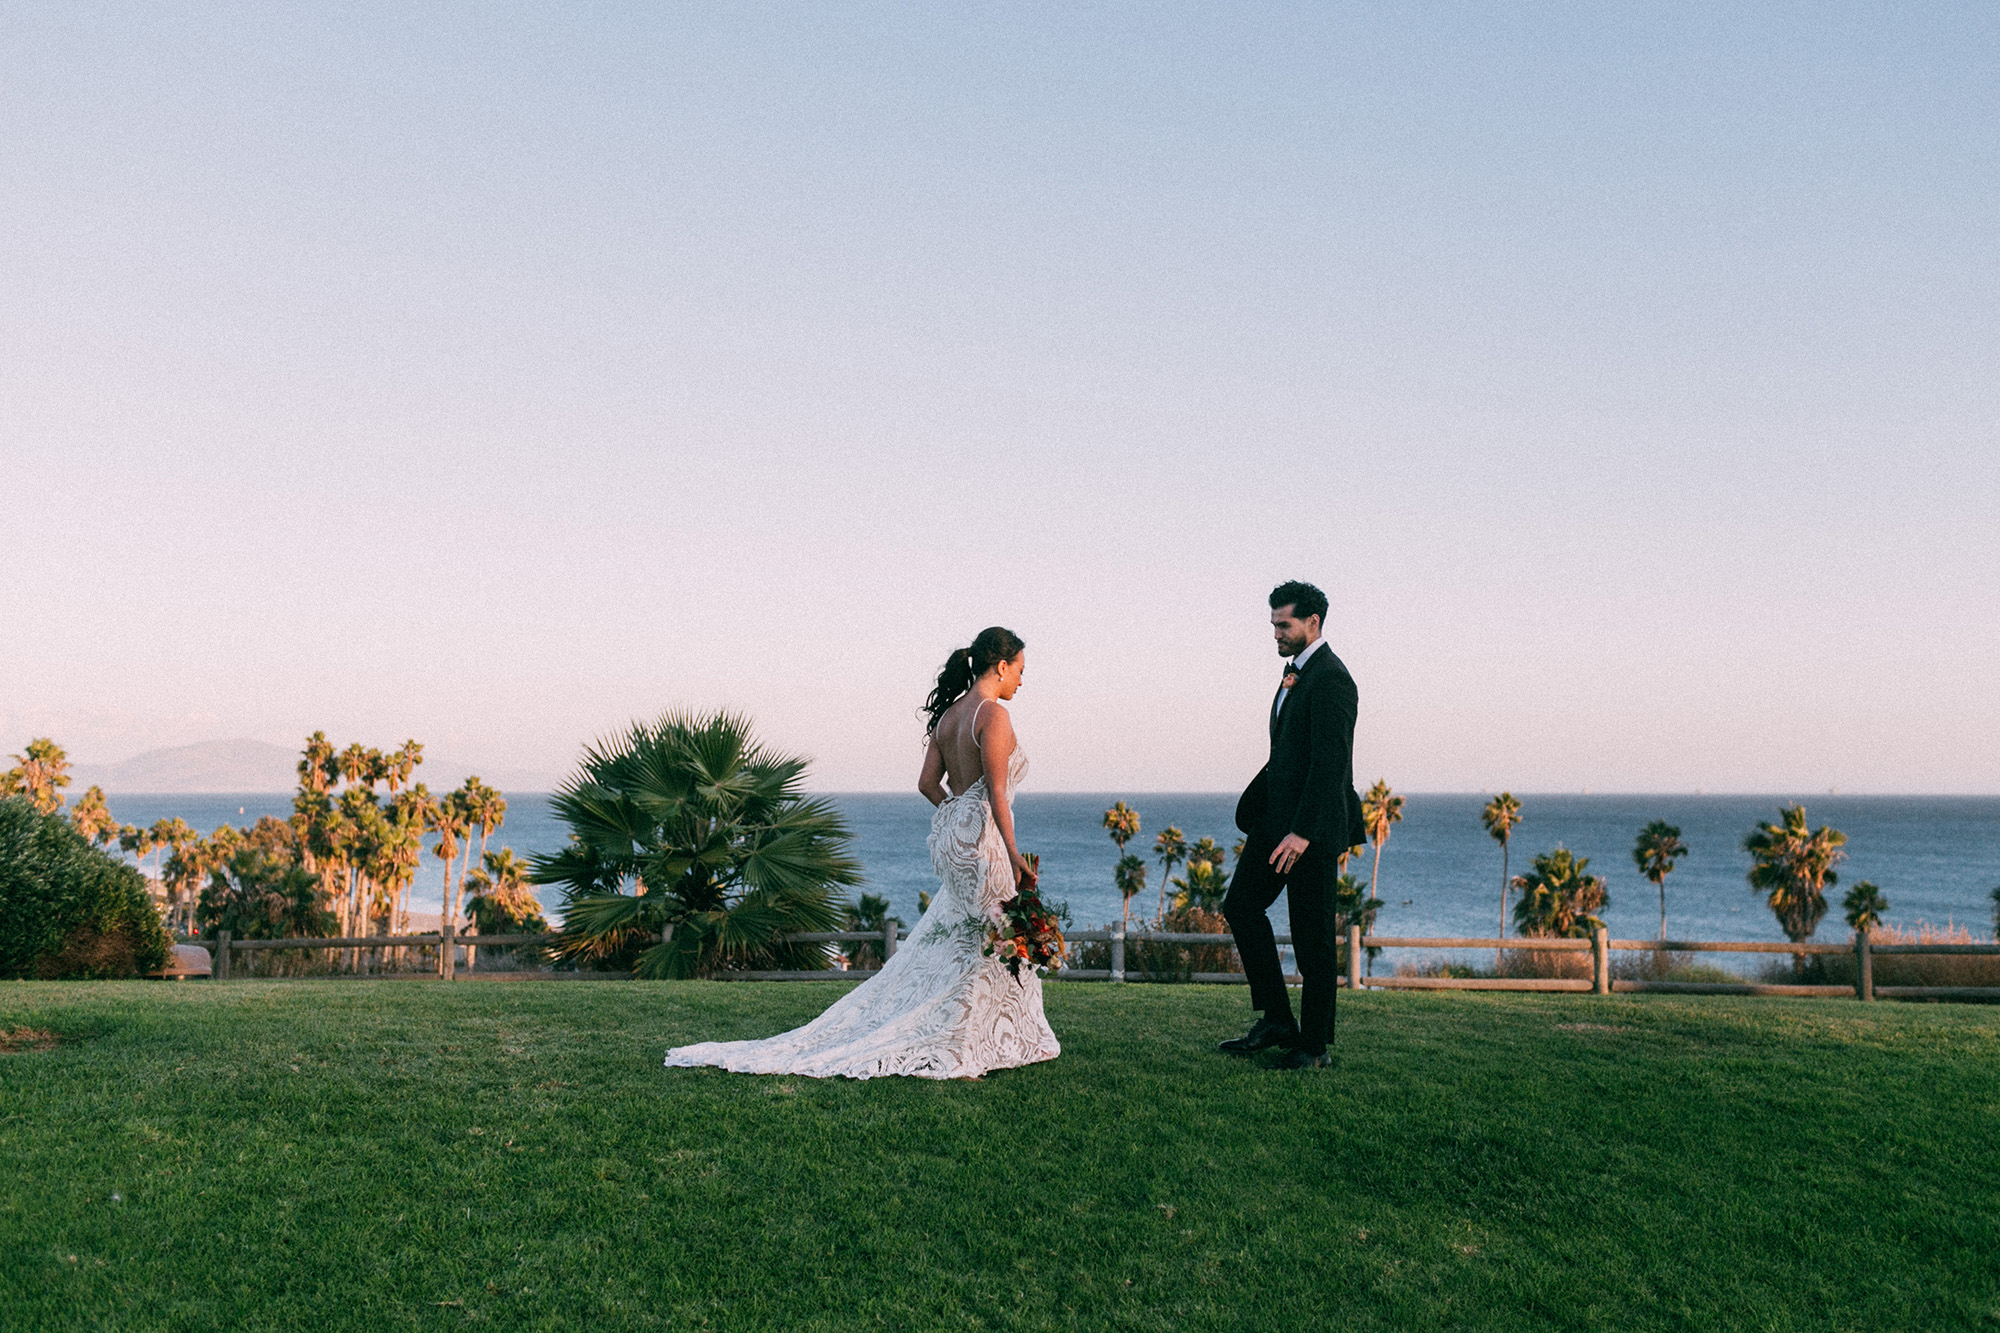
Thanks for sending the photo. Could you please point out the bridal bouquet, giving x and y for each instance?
(1026, 931)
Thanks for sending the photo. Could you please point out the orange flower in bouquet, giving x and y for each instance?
(1027, 933)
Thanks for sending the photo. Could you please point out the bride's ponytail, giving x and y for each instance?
(966, 665)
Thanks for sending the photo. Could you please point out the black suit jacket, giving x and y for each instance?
(1307, 788)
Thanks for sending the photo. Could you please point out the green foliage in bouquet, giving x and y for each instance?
(1029, 933)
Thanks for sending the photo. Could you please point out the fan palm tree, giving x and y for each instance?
(1658, 848)
(254, 895)
(451, 822)
(1171, 848)
(138, 843)
(1205, 884)
(723, 852)
(92, 818)
(1130, 876)
(497, 889)
(40, 775)
(170, 839)
(500, 902)
(1380, 809)
(356, 762)
(1352, 907)
(485, 809)
(1793, 865)
(1122, 822)
(1558, 900)
(1500, 816)
(401, 764)
(1865, 907)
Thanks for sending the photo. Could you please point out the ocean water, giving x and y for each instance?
(1936, 858)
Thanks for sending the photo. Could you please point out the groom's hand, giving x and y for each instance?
(1287, 853)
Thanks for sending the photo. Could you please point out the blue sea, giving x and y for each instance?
(1936, 858)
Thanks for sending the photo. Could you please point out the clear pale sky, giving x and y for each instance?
(496, 374)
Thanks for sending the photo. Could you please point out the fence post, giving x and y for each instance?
(1600, 961)
(221, 969)
(1118, 950)
(888, 940)
(1864, 967)
(1354, 956)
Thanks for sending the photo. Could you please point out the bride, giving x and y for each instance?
(939, 1008)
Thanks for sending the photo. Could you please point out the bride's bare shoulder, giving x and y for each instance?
(993, 720)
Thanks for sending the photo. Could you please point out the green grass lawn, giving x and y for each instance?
(385, 1155)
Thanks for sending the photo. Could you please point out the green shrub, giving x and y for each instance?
(256, 896)
(68, 909)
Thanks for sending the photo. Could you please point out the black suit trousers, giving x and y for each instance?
(1252, 890)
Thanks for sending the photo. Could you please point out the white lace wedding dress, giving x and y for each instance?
(939, 1008)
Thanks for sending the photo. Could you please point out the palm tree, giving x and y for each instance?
(484, 807)
(1658, 848)
(1865, 907)
(1171, 848)
(1122, 821)
(1130, 876)
(498, 889)
(407, 816)
(1500, 816)
(500, 902)
(138, 842)
(1352, 907)
(1205, 884)
(92, 818)
(40, 775)
(1793, 865)
(356, 762)
(1380, 809)
(1558, 900)
(724, 852)
(171, 839)
(452, 824)
(255, 895)
(401, 764)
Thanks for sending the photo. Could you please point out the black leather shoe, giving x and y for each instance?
(1297, 1058)
(1262, 1036)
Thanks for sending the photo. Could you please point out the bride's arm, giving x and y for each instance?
(996, 747)
(931, 780)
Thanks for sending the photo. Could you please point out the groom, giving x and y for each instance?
(1300, 815)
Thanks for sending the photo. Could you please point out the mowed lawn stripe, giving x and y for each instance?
(371, 1155)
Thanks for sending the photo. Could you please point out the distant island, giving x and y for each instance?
(244, 766)
(205, 767)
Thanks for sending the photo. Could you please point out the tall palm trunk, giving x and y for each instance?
(1498, 954)
(1375, 873)
(1661, 884)
(448, 915)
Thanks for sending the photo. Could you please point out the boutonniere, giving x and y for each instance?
(1291, 679)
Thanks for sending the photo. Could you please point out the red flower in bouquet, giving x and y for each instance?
(1027, 932)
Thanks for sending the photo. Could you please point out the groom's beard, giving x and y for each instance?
(1291, 647)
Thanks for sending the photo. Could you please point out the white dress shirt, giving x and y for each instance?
(1297, 662)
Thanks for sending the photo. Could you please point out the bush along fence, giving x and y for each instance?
(1589, 958)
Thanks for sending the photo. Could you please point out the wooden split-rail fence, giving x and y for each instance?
(1599, 945)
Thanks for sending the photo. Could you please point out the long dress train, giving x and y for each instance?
(939, 1008)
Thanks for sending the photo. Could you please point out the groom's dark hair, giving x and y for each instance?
(1304, 599)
